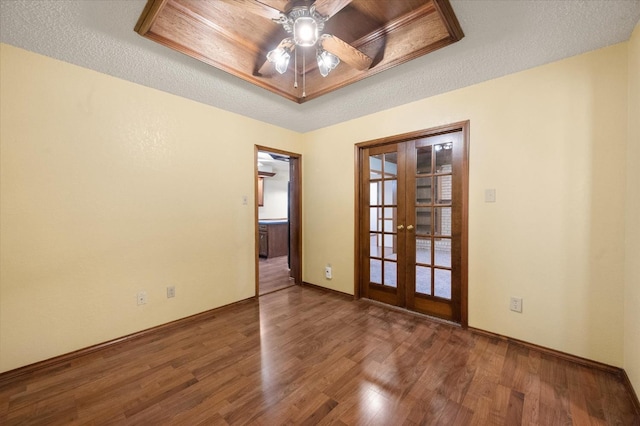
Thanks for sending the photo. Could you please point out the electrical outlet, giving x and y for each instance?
(171, 292)
(327, 272)
(516, 304)
(142, 298)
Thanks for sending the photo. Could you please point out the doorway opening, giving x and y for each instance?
(411, 243)
(278, 219)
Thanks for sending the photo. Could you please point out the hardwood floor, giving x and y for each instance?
(305, 356)
(274, 275)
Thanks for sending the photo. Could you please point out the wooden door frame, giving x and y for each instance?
(360, 251)
(295, 213)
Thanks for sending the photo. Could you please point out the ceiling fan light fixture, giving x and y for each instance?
(326, 62)
(280, 57)
(305, 31)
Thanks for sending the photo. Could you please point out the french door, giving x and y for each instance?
(413, 221)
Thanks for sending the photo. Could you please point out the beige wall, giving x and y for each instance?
(632, 266)
(552, 142)
(109, 188)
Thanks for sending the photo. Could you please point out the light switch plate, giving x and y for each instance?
(489, 195)
(516, 304)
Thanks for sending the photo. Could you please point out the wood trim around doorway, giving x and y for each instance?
(295, 218)
(358, 158)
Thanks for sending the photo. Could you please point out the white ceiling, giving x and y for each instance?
(501, 37)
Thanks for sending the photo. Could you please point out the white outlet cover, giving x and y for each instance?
(327, 272)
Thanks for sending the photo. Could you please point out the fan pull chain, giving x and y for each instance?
(304, 76)
(295, 68)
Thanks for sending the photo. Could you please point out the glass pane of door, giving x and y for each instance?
(375, 193)
(390, 192)
(423, 250)
(443, 189)
(442, 221)
(442, 283)
(423, 220)
(375, 166)
(375, 271)
(390, 165)
(423, 280)
(443, 157)
(423, 159)
(390, 274)
(423, 190)
(442, 252)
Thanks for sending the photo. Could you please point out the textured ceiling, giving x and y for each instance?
(501, 37)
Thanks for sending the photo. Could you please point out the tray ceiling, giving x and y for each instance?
(236, 35)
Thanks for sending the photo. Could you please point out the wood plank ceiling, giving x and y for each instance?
(236, 35)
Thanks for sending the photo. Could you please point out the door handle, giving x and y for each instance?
(401, 227)
(409, 227)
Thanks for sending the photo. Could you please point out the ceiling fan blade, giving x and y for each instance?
(267, 69)
(258, 8)
(282, 5)
(328, 8)
(347, 53)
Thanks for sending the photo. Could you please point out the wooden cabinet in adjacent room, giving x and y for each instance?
(274, 239)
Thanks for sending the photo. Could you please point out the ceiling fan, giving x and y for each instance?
(236, 36)
(304, 22)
